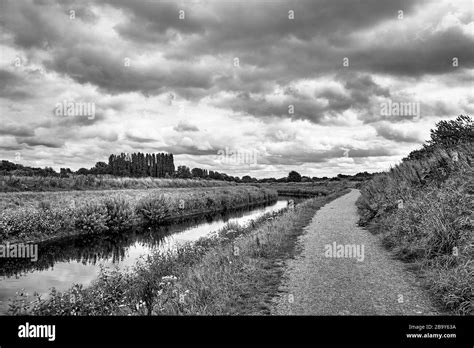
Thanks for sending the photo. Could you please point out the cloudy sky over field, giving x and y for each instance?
(302, 84)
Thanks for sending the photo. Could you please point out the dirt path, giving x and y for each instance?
(318, 284)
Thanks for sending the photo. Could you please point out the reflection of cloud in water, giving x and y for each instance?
(78, 259)
(197, 232)
(42, 281)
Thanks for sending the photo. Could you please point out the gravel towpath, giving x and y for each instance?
(371, 283)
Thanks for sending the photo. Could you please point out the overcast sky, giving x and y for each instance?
(299, 84)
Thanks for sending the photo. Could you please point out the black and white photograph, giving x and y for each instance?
(236, 162)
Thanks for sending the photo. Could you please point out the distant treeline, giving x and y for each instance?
(159, 165)
(9, 168)
(139, 164)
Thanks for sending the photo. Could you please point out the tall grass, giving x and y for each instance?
(422, 210)
(12, 183)
(117, 212)
(381, 194)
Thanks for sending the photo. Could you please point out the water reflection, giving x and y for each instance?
(78, 259)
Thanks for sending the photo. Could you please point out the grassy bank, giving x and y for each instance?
(12, 183)
(93, 212)
(236, 271)
(422, 210)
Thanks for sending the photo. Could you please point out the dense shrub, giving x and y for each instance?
(25, 223)
(91, 217)
(120, 215)
(153, 209)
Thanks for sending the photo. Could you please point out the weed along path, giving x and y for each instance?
(344, 270)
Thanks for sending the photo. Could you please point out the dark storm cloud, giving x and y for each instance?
(357, 94)
(12, 86)
(290, 107)
(242, 26)
(259, 33)
(149, 20)
(28, 23)
(16, 130)
(432, 55)
(324, 30)
(11, 147)
(87, 61)
(37, 141)
(108, 71)
(362, 87)
(34, 24)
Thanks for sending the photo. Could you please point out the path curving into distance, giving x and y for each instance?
(349, 281)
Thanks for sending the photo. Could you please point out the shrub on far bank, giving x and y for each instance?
(29, 223)
(153, 209)
(120, 214)
(91, 217)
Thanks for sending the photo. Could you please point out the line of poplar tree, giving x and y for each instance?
(142, 164)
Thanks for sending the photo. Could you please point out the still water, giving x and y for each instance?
(77, 260)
